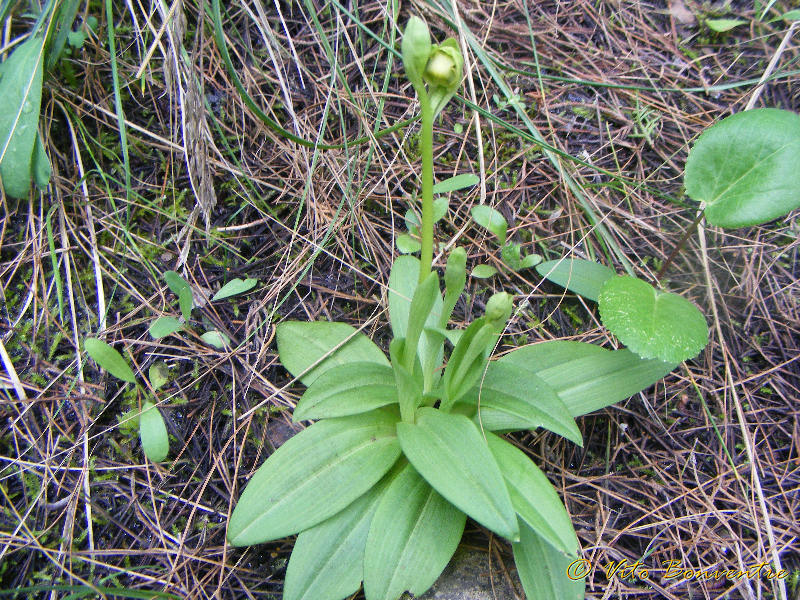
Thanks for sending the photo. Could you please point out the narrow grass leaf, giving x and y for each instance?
(543, 570)
(235, 287)
(583, 277)
(512, 399)
(153, 433)
(652, 323)
(533, 496)
(327, 561)
(109, 359)
(457, 182)
(746, 168)
(413, 535)
(314, 475)
(449, 451)
(347, 389)
(585, 376)
(164, 326)
(308, 349)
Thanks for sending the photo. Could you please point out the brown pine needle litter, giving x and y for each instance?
(700, 473)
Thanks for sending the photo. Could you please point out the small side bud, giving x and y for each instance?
(416, 50)
(498, 309)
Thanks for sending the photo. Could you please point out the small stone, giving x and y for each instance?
(467, 577)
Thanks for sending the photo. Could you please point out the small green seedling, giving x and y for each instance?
(510, 252)
(723, 25)
(167, 325)
(405, 447)
(152, 429)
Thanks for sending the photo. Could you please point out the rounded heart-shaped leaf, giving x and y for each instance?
(651, 323)
(746, 168)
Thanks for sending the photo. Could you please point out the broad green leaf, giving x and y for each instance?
(653, 324)
(533, 496)
(314, 475)
(20, 103)
(347, 389)
(235, 287)
(408, 387)
(180, 288)
(511, 399)
(458, 182)
(490, 219)
(723, 25)
(153, 433)
(440, 207)
(175, 282)
(467, 361)
(746, 168)
(530, 260)
(422, 303)
(413, 535)
(412, 221)
(483, 271)
(158, 374)
(327, 561)
(164, 326)
(40, 169)
(186, 303)
(449, 451)
(308, 349)
(583, 277)
(546, 573)
(792, 15)
(403, 282)
(585, 376)
(109, 359)
(511, 254)
(217, 339)
(407, 244)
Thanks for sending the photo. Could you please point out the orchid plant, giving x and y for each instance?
(404, 447)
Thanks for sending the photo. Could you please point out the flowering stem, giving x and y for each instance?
(426, 150)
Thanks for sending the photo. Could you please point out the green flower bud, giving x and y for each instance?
(498, 309)
(444, 66)
(443, 73)
(416, 50)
